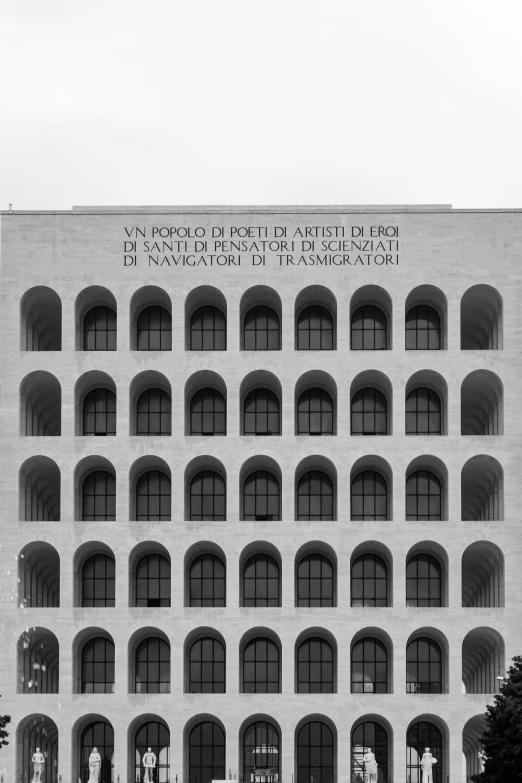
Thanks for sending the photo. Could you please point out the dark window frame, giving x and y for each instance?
(92, 333)
(372, 656)
(107, 498)
(162, 335)
(418, 678)
(261, 670)
(432, 585)
(257, 337)
(415, 484)
(265, 418)
(218, 482)
(102, 660)
(265, 587)
(146, 584)
(211, 675)
(315, 745)
(208, 594)
(153, 505)
(308, 585)
(370, 507)
(373, 420)
(145, 404)
(103, 589)
(326, 482)
(207, 742)
(315, 666)
(104, 420)
(324, 335)
(431, 334)
(414, 418)
(208, 339)
(261, 505)
(315, 422)
(155, 662)
(363, 337)
(212, 418)
(371, 595)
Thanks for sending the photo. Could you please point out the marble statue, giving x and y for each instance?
(427, 762)
(370, 765)
(149, 762)
(38, 761)
(94, 766)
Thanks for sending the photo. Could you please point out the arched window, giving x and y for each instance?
(100, 735)
(369, 581)
(261, 667)
(423, 666)
(315, 666)
(261, 581)
(208, 329)
(153, 413)
(152, 673)
(207, 497)
(99, 412)
(99, 329)
(261, 498)
(315, 329)
(369, 329)
(423, 496)
(261, 414)
(369, 413)
(315, 753)
(156, 736)
(153, 581)
(369, 497)
(423, 581)
(154, 329)
(261, 329)
(423, 329)
(315, 413)
(153, 497)
(207, 581)
(40, 481)
(99, 497)
(97, 667)
(373, 736)
(208, 413)
(423, 413)
(315, 581)
(207, 666)
(261, 751)
(206, 753)
(98, 581)
(423, 735)
(315, 497)
(369, 666)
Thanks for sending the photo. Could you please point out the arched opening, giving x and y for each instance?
(41, 316)
(371, 483)
(472, 734)
(150, 575)
(150, 404)
(149, 749)
(205, 490)
(481, 404)
(426, 489)
(95, 396)
(95, 748)
(481, 319)
(205, 404)
(371, 400)
(260, 739)
(40, 405)
(205, 575)
(95, 575)
(39, 490)
(482, 575)
(483, 660)
(427, 734)
(426, 319)
(427, 662)
(482, 489)
(261, 402)
(371, 662)
(205, 320)
(316, 490)
(205, 750)
(371, 322)
(315, 319)
(260, 313)
(316, 750)
(316, 404)
(260, 489)
(260, 661)
(371, 575)
(149, 659)
(205, 661)
(372, 745)
(316, 575)
(93, 655)
(95, 483)
(38, 661)
(426, 404)
(260, 569)
(151, 320)
(96, 319)
(316, 661)
(150, 490)
(39, 576)
(36, 733)
(427, 575)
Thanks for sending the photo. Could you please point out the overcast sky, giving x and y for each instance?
(269, 102)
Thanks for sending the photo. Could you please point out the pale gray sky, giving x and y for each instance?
(267, 102)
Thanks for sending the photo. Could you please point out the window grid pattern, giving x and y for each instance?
(369, 581)
(369, 329)
(98, 734)
(423, 497)
(423, 735)
(315, 497)
(208, 330)
(315, 413)
(208, 413)
(369, 413)
(261, 667)
(315, 666)
(315, 581)
(207, 581)
(261, 581)
(97, 668)
(207, 497)
(261, 331)
(260, 751)
(153, 413)
(156, 736)
(153, 497)
(99, 329)
(315, 753)
(423, 329)
(98, 581)
(261, 497)
(369, 497)
(369, 666)
(153, 581)
(315, 329)
(423, 581)
(373, 736)
(154, 329)
(152, 666)
(99, 412)
(207, 666)
(423, 413)
(99, 497)
(423, 666)
(261, 414)
(206, 753)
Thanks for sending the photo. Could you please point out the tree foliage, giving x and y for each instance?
(502, 741)
(4, 720)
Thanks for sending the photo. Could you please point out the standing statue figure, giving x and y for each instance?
(427, 762)
(94, 766)
(370, 765)
(38, 761)
(149, 762)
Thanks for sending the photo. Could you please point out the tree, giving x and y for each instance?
(4, 720)
(502, 741)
